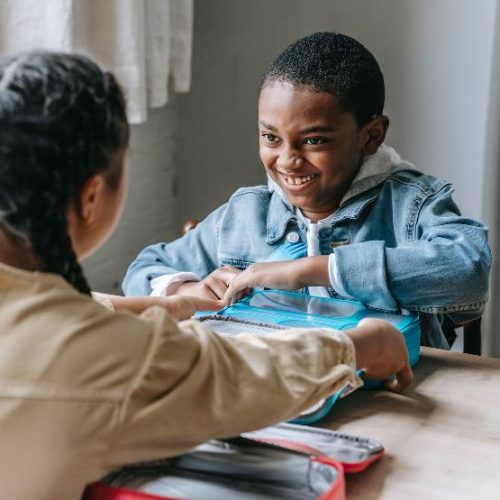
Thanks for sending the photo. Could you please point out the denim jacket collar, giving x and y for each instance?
(281, 213)
(375, 169)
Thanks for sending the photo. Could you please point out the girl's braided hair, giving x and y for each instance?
(62, 120)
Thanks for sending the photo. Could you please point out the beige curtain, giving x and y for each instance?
(146, 43)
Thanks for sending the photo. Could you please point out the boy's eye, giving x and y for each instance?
(315, 141)
(270, 138)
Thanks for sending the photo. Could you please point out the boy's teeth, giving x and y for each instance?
(297, 180)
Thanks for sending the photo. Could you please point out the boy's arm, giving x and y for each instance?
(442, 268)
(284, 275)
(195, 252)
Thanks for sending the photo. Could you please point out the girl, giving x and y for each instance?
(84, 389)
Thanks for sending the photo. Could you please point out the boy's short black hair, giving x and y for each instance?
(334, 63)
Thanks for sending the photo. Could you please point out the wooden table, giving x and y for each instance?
(442, 436)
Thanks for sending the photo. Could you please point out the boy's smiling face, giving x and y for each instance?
(310, 146)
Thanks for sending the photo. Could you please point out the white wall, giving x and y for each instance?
(150, 213)
(435, 54)
(491, 202)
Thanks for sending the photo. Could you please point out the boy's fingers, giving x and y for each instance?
(231, 269)
(218, 288)
(237, 284)
(226, 273)
(242, 293)
(208, 294)
(235, 291)
(218, 281)
(230, 294)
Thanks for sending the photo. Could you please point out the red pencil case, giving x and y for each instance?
(284, 461)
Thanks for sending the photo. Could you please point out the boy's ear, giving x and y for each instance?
(373, 134)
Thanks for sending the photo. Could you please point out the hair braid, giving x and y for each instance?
(51, 240)
(62, 120)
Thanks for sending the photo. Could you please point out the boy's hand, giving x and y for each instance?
(281, 275)
(381, 352)
(285, 275)
(213, 287)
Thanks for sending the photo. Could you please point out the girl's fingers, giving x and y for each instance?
(208, 304)
(404, 377)
(401, 380)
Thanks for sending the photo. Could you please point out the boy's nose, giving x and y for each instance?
(289, 160)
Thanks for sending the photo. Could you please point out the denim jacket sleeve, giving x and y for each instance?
(441, 264)
(195, 252)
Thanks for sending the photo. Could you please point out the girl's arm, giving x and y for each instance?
(179, 307)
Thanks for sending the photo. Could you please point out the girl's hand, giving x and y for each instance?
(381, 352)
(183, 307)
(180, 307)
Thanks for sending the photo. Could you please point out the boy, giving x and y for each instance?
(365, 224)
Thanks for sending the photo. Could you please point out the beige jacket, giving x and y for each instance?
(84, 390)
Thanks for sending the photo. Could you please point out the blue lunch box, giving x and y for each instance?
(265, 312)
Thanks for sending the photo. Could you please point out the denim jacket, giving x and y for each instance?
(399, 239)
